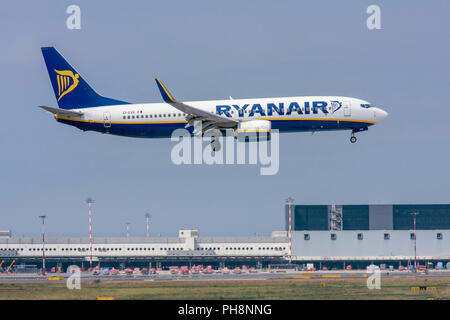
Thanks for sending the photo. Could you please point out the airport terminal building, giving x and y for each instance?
(362, 234)
(334, 236)
(186, 249)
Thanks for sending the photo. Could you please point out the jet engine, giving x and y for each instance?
(253, 130)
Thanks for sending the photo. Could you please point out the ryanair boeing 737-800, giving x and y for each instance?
(80, 106)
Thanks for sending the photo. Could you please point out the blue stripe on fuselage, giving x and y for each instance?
(164, 130)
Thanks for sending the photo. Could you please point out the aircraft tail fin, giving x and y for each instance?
(71, 90)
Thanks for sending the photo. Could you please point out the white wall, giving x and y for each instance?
(373, 244)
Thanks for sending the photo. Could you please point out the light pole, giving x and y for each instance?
(414, 214)
(43, 244)
(290, 200)
(128, 229)
(90, 201)
(147, 218)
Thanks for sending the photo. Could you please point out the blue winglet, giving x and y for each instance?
(167, 97)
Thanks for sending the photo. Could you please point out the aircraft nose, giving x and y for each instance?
(381, 115)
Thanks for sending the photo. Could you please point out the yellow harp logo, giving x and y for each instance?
(67, 81)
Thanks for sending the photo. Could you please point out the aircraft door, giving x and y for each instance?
(347, 109)
(107, 119)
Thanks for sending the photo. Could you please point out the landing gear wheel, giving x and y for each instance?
(215, 145)
(353, 139)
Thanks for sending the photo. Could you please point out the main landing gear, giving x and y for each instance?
(215, 145)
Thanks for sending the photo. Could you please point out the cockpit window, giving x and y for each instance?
(366, 106)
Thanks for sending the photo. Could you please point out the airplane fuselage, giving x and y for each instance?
(290, 114)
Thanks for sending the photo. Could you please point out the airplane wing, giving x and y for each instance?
(211, 120)
(62, 111)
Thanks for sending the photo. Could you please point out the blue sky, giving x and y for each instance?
(210, 50)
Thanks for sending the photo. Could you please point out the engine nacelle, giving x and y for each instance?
(254, 130)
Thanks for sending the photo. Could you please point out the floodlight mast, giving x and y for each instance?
(290, 200)
(414, 214)
(43, 243)
(90, 201)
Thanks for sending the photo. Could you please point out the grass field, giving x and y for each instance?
(248, 289)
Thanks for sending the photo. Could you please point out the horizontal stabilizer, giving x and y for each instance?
(62, 111)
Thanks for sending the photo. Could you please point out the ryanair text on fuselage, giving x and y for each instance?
(307, 107)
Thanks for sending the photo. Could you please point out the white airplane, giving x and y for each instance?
(82, 107)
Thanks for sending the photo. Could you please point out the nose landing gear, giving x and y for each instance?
(353, 138)
(354, 130)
